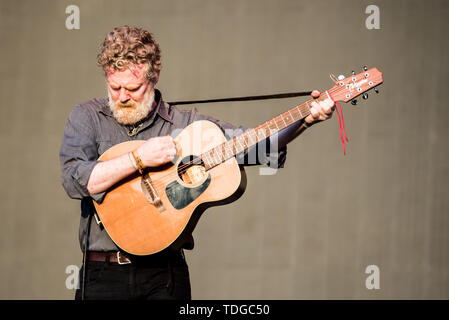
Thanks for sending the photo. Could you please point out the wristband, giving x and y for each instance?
(133, 161)
(140, 165)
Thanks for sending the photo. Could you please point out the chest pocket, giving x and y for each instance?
(103, 145)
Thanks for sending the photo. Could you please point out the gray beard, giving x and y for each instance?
(131, 115)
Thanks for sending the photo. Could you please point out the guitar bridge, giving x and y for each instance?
(150, 193)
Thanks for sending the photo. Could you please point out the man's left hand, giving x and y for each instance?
(320, 110)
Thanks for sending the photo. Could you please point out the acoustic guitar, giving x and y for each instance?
(146, 213)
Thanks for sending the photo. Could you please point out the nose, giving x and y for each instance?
(124, 97)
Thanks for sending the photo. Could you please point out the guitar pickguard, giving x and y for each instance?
(181, 196)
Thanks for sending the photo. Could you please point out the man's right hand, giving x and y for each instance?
(157, 151)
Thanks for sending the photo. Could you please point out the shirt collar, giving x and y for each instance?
(161, 109)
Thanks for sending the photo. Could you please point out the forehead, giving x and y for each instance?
(133, 75)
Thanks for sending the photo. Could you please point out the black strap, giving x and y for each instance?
(264, 97)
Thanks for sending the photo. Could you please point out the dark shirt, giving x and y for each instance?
(91, 129)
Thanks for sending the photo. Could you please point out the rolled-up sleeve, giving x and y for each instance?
(78, 154)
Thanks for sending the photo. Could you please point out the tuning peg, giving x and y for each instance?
(365, 68)
(341, 77)
(365, 96)
(354, 102)
(376, 90)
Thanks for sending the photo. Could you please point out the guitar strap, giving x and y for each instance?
(275, 96)
(249, 98)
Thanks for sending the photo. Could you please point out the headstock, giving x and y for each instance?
(346, 89)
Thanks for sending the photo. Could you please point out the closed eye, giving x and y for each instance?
(133, 89)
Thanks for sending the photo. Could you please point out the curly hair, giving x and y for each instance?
(125, 46)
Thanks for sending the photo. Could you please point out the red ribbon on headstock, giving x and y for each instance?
(341, 122)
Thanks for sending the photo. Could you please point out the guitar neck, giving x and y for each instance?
(241, 143)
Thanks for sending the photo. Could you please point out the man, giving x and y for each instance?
(131, 60)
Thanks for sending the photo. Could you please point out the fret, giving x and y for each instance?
(239, 143)
(279, 125)
(256, 134)
(282, 117)
(276, 121)
(261, 134)
(220, 155)
(292, 117)
(223, 152)
(245, 141)
(207, 159)
(227, 150)
(270, 125)
(267, 125)
(204, 160)
(234, 146)
(308, 107)
(299, 113)
(216, 155)
(299, 110)
(251, 139)
(287, 118)
(212, 160)
(228, 153)
(231, 152)
(212, 156)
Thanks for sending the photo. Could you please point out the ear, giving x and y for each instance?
(108, 71)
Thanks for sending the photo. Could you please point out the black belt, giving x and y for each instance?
(116, 257)
(159, 258)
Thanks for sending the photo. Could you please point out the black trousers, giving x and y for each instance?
(160, 276)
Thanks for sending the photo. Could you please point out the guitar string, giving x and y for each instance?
(261, 127)
(167, 178)
(199, 160)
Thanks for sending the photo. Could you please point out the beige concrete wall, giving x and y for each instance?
(308, 231)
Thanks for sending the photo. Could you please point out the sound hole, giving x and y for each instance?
(191, 170)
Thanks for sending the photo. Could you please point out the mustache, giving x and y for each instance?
(126, 104)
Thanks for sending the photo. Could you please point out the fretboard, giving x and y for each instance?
(236, 145)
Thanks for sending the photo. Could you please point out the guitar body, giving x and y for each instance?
(146, 214)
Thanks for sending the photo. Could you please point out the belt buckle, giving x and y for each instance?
(126, 261)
